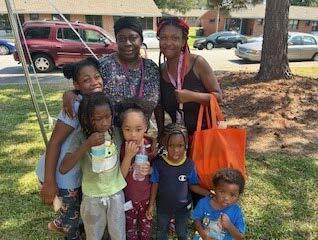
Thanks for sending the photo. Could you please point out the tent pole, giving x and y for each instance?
(14, 26)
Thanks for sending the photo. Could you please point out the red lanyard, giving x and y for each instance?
(177, 83)
(133, 90)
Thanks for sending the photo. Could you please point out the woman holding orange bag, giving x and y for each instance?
(186, 79)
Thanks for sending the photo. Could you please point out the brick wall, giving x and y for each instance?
(80, 18)
(108, 24)
(208, 22)
(304, 27)
(258, 28)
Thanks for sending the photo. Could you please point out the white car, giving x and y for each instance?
(301, 46)
(150, 39)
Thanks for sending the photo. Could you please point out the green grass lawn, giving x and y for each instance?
(305, 71)
(280, 201)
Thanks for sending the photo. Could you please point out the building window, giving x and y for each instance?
(293, 24)
(34, 16)
(94, 19)
(21, 17)
(57, 17)
(146, 22)
(314, 26)
(4, 22)
(260, 21)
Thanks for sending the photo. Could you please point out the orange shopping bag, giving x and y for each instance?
(215, 147)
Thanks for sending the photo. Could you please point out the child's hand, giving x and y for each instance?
(68, 99)
(225, 221)
(149, 212)
(131, 149)
(96, 139)
(205, 235)
(145, 169)
(48, 192)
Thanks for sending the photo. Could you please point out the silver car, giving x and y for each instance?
(301, 46)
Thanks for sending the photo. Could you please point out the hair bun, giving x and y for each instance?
(69, 70)
(93, 61)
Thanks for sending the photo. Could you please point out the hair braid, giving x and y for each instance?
(86, 110)
(171, 129)
(184, 27)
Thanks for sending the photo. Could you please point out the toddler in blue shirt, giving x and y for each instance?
(220, 217)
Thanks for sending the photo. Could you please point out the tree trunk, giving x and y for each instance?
(274, 61)
(217, 18)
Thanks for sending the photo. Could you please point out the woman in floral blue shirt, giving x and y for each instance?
(125, 73)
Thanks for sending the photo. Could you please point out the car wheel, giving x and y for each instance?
(315, 57)
(43, 63)
(200, 48)
(238, 43)
(4, 50)
(209, 45)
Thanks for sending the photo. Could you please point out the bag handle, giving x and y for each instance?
(216, 114)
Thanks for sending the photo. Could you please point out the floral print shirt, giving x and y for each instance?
(120, 85)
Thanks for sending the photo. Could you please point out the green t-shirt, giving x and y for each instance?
(102, 184)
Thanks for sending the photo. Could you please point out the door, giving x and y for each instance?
(222, 40)
(309, 47)
(294, 44)
(68, 46)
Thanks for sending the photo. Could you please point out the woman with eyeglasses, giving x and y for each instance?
(187, 80)
(125, 73)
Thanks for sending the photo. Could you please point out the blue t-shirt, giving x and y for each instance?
(174, 182)
(72, 179)
(234, 212)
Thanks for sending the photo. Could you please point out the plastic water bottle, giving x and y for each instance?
(196, 236)
(141, 158)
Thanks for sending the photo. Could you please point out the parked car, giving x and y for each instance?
(314, 33)
(53, 43)
(226, 39)
(255, 39)
(150, 39)
(6, 47)
(301, 46)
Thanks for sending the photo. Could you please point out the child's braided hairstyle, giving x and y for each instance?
(172, 129)
(184, 27)
(87, 107)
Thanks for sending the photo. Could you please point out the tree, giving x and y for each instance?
(274, 61)
(307, 3)
(178, 5)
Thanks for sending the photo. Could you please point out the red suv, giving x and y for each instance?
(53, 43)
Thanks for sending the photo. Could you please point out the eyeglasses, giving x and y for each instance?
(123, 39)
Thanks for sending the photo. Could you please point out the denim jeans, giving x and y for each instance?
(181, 216)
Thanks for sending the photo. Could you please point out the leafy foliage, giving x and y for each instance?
(227, 5)
(179, 5)
(308, 3)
